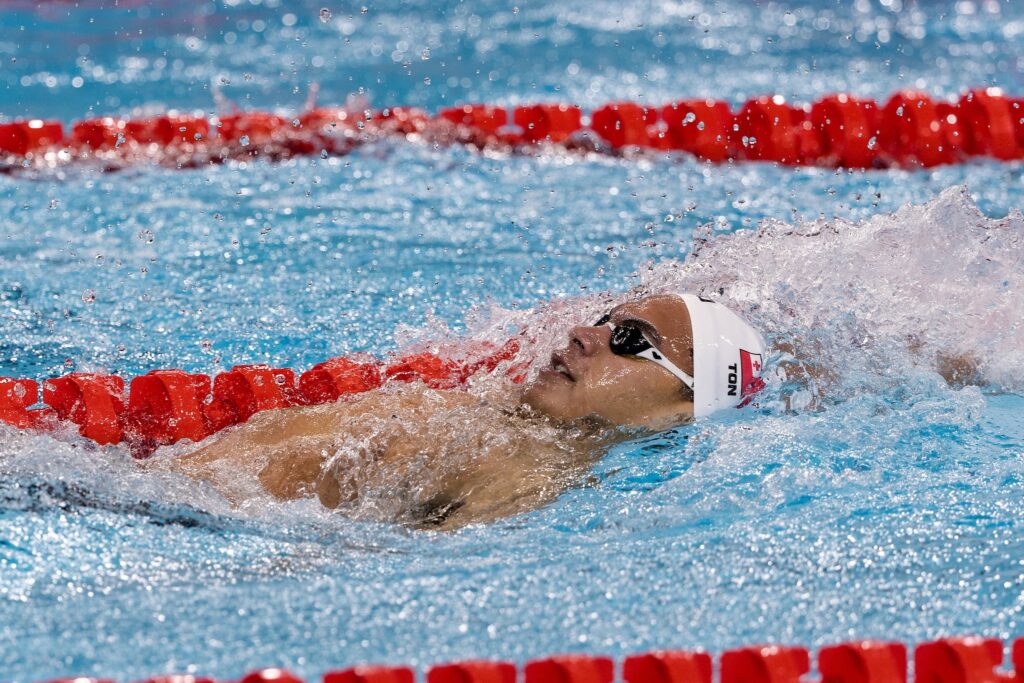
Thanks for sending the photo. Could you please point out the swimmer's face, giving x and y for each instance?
(587, 380)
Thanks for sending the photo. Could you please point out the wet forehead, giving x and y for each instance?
(668, 314)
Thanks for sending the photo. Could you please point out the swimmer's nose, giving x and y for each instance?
(589, 339)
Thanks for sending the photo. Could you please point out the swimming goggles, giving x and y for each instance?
(630, 340)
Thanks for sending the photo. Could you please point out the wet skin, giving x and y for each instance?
(442, 459)
(587, 380)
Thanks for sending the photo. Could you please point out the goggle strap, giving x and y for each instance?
(653, 355)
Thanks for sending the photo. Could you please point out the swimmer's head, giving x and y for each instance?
(600, 375)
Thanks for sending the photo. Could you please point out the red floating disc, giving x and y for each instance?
(764, 664)
(167, 130)
(668, 667)
(848, 129)
(623, 124)
(327, 381)
(97, 133)
(165, 406)
(371, 674)
(258, 127)
(767, 131)
(402, 120)
(482, 117)
(271, 676)
(952, 127)
(548, 122)
(489, 357)
(912, 132)
(249, 389)
(863, 662)
(219, 414)
(94, 402)
(1017, 655)
(959, 660)
(329, 120)
(989, 129)
(16, 395)
(179, 678)
(473, 672)
(570, 669)
(432, 370)
(700, 127)
(23, 137)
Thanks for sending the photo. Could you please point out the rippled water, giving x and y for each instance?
(891, 509)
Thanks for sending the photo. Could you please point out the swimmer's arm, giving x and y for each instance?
(958, 369)
(283, 448)
(286, 448)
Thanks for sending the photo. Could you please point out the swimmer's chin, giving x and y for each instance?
(594, 423)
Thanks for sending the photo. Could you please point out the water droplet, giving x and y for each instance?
(689, 118)
(364, 9)
(244, 140)
(54, 203)
(206, 345)
(88, 296)
(325, 14)
(323, 154)
(146, 235)
(120, 140)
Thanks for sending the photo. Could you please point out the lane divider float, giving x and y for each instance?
(949, 660)
(166, 406)
(910, 130)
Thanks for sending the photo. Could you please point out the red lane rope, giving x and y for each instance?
(910, 130)
(165, 406)
(950, 660)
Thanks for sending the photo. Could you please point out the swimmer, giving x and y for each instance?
(443, 459)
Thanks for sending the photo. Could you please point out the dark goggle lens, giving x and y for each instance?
(628, 341)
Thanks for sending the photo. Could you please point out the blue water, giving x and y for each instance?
(889, 507)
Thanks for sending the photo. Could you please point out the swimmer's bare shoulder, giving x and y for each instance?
(449, 457)
(285, 448)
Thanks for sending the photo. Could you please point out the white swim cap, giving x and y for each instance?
(727, 357)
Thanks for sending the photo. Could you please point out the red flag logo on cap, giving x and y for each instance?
(750, 369)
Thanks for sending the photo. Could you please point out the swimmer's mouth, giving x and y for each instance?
(559, 366)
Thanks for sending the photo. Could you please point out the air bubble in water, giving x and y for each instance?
(325, 14)
(120, 140)
(88, 296)
(244, 140)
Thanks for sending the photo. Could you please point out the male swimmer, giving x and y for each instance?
(443, 459)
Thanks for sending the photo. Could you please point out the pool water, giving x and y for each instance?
(885, 505)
